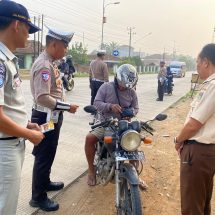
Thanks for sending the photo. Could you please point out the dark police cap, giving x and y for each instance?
(13, 10)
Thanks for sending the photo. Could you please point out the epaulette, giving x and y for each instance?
(2, 56)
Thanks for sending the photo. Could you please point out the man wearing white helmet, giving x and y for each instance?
(112, 99)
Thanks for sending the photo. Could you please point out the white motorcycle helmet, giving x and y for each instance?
(126, 76)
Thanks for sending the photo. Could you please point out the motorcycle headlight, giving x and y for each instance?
(130, 140)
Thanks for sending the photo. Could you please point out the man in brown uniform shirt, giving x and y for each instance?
(47, 91)
(98, 74)
(196, 142)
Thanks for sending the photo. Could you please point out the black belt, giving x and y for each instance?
(196, 142)
(8, 138)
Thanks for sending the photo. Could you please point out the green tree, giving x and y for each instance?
(135, 61)
(79, 54)
(110, 47)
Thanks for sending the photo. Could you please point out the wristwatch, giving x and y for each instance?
(175, 140)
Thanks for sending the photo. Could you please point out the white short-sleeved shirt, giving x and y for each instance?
(203, 110)
(11, 96)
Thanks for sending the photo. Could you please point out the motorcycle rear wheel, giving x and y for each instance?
(70, 85)
(130, 201)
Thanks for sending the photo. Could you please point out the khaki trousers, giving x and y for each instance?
(11, 160)
(196, 178)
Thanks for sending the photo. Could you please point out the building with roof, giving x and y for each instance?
(28, 54)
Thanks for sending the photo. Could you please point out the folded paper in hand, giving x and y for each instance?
(49, 126)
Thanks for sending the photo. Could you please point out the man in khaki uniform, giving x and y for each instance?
(49, 104)
(15, 26)
(98, 74)
(196, 142)
(161, 81)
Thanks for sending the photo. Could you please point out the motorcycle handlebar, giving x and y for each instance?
(146, 125)
(99, 125)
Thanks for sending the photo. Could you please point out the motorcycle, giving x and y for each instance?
(68, 82)
(67, 70)
(119, 145)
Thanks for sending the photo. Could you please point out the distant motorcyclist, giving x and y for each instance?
(69, 61)
(67, 68)
(64, 67)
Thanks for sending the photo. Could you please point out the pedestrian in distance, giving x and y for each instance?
(98, 74)
(15, 27)
(196, 142)
(49, 105)
(161, 81)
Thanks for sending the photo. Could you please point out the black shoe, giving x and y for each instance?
(159, 100)
(54, 186)
(46, 205)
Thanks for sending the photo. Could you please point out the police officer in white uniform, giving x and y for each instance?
(196, 142)
(49, 104)
(15, 26)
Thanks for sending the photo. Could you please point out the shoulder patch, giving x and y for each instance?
(45, 75)
(2, 74)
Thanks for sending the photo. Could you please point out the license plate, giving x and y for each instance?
(123, 155)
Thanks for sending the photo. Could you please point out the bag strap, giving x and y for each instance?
(116, 91)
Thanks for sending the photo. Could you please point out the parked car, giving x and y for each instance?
(178, 68)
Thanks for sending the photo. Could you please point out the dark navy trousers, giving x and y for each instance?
(44, 156)
(95, 85)
(160, 90)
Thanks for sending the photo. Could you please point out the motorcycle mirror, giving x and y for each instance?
(161, 117)
(90, 109)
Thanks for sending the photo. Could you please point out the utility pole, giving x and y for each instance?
(130, 32)
(38, 42)
(104, 19)
(34, 40)
(83, 40)
(174, 51)
(164, 53)
(41, 42)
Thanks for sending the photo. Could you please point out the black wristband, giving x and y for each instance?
(62, 106)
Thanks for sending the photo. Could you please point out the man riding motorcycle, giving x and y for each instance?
(112, 99)
(69, 61)
(67, 69)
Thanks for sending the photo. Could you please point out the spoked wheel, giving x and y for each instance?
(70, 84)
(130, 202)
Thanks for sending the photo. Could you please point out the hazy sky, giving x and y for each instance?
(185, 24)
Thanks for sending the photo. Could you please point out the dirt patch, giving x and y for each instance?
(161, 172)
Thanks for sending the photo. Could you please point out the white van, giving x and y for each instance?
(178, 68)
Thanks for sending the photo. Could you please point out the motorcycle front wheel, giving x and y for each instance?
(70, 85)
(130, 202)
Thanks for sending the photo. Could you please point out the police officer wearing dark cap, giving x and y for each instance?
(98, 74)
(15, 26)
(49, 105)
